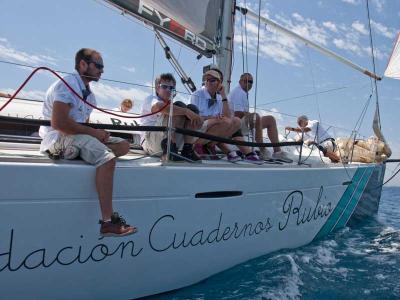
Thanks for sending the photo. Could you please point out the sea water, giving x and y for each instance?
(358, 262)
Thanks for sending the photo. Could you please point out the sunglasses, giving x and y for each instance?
(249, 81)
(97, 65)
(167, 87)
(212, 80)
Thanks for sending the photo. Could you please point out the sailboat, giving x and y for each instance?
(194, 220)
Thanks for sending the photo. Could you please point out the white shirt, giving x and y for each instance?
(79, 111)
(238, 100)
(318, 131)
(200, 99)
(148, 103)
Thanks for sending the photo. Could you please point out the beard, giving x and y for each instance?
(90, 76)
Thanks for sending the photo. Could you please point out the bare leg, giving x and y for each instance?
(119, 149)
(272, 130)
(104, 187)
(332, 156)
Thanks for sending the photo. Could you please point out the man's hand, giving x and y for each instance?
(221, 91)
(101, 135)
(195, 120)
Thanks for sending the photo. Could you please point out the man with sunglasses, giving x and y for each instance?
(213, 106)
(155, 143)
(239, 102)
(67, 138)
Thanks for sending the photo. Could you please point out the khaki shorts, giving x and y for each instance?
(245, 124)
(90, 149)
(152, 139)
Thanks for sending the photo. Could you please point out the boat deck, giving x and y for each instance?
(29, 153)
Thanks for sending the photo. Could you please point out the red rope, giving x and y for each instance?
(77, 95)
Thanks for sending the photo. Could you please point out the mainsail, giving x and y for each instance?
(194, 23)
(393, 68)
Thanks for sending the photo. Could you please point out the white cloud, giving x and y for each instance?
(129, 69)
(353, 2)
(110, 96)
(379, 4)
(383, 30)
(360, 27)
(348, 45)
(330, 25)
(8, 52)
(29, 94)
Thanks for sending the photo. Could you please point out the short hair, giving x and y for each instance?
(302, 118)
(83, 54)
(164, 77)
(127, 102)
(245, 74)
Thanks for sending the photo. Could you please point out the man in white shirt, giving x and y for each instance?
(317, 136)
(155, 143)
(67, 138)
(213, 106)
(239, 102)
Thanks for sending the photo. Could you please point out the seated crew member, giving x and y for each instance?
(68, 139)
(322, 139)
(126, 105)
(213, 106)
(239, 103)
(155, 143)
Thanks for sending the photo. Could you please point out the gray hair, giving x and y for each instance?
(302, 118)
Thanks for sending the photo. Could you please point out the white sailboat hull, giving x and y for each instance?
(193, 222)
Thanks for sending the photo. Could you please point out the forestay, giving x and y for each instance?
(194, 23)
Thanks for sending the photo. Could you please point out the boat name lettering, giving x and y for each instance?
(293, 207)
(159, 242)
(65, 256)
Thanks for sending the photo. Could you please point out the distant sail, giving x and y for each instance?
(393, 68)
(194, 23)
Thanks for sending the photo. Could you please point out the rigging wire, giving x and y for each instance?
(257, 63)
(373, 63)
(313, 83)
(153, 90)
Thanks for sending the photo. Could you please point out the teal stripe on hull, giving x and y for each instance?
(353, 189)
(354, 200)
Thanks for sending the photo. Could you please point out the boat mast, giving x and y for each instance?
(225, 51)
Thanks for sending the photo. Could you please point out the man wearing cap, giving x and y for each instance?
(213, 106)
(321, 138)
(239, 103)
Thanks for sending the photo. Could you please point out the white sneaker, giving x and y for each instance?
(265, 154)
(282, 156)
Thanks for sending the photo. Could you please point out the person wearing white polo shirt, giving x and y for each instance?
(213, 105)
(318, 136)
(239, 103)
(68, 138)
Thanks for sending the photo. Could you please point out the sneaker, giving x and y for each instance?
(190, 154)
(212, 151)
(253, 158)
(174, 156)
(116, 227)
(265, 154)
(282, 156)
(233, 157)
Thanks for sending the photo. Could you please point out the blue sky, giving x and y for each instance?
(48, 33)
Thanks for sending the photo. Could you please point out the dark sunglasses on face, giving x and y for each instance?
(97, 65)
(212, 80)
(167, 87)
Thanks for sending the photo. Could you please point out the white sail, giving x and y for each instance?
(393, 68)
(194, 23)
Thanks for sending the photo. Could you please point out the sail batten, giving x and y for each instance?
(193, 23)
